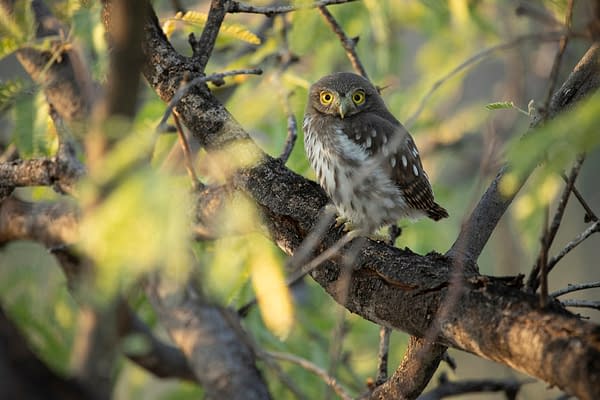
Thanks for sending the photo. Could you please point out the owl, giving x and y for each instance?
(364, 159)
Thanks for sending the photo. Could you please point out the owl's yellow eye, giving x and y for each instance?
(326, 97)
(358, 97)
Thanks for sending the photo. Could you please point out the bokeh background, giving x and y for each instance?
(407, 47)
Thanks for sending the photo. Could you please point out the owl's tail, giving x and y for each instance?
(437, 212)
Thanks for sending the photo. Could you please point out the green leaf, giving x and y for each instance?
(501, 105)
(504, 105)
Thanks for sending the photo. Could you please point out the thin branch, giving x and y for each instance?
(448, 389)
(564, 41)
(418, 365)
(285, 378)
(286, 59)
(269, 11)
(595, 227)
(315, 369)
(534, 276)
(581, 303)
(349, 44)
(187, 155)
(546, 36)
(182, 91)
(574, 288)
(543, 259)
(292, 132)
(589, 214)
(382, 355)
(203, 47)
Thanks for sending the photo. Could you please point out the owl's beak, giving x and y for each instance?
(344, 106)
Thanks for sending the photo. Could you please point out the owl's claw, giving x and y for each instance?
(348, 225)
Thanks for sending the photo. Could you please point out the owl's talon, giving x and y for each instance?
(379, 237)
(339, 221)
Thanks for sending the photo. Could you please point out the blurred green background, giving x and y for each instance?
(405, 46)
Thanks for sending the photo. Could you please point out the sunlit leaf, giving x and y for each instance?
(199, 19)
(272, 293)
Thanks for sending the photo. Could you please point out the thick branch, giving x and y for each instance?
(492, 318)
(212, 339)
(61, 72)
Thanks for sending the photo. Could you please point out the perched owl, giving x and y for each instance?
(366, 161)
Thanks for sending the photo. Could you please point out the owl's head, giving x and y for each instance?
(343, 94)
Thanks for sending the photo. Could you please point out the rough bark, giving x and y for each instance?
(490, 317)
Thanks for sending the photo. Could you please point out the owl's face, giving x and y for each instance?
(343, 95)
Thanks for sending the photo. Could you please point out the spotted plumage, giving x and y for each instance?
(366, 161)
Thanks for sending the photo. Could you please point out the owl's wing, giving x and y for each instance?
(389, 141)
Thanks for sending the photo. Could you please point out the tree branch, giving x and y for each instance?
(414, 372)
(212, 339)
(269, 11)
(55, 225)
(492, 317)
(476, 231)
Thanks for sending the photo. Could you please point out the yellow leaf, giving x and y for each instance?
(196, 18)
(272, 293)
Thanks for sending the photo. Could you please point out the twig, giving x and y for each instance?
(285, 378)
(595, 227)
(336, 347)
(292, 133)
(182, 91)
(315, 369)
(558, 58)
(189, 163)
(581, 303)
(575, 287)
(542, 260)
(382, 355)
(299, 273)
(448, 389)
(546, 36)
(238, 7)
(349, 44)
(203, 47)
(302, 271)
(287, 59)
(533, 281)
(589, 214)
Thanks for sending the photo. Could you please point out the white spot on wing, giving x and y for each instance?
(369, 142)
(415, 152)
(393, 162)
(404, 161)
(373, 133)
(384, 139)
(415, 170)
(357, 136)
